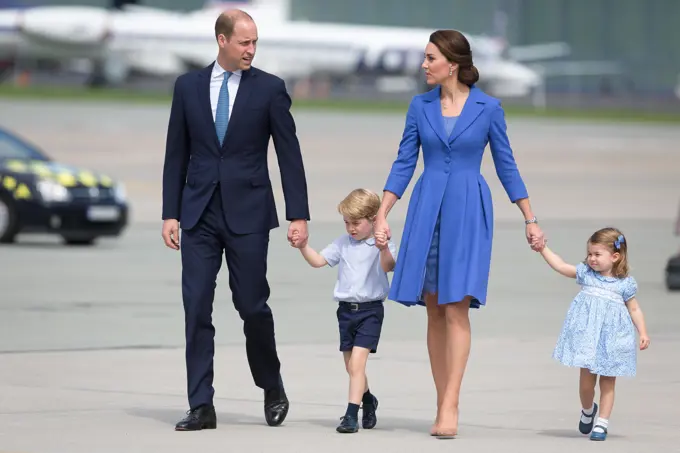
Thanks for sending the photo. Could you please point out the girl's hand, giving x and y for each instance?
(644, 342)
(537, 245)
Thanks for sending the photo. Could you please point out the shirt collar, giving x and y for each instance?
(367, 241)
(218, 70)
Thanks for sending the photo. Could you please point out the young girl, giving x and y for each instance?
(598, 334)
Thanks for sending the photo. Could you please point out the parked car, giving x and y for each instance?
(40, 195)
(673, 264)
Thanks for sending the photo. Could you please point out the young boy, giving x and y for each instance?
(360, 290)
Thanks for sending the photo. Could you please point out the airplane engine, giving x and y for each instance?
(507, 78)
(66, 32)
(160, 64)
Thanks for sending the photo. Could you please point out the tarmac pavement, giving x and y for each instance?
(91, 339)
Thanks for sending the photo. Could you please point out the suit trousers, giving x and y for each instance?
(246, 258)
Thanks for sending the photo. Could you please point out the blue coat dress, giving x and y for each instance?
(450, 194)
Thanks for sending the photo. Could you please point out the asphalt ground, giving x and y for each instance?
(91, 339)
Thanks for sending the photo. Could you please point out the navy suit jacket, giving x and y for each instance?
(195, 162)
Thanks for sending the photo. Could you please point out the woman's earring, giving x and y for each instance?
(451, 70)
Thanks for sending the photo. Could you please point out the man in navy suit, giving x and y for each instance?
(216, 186)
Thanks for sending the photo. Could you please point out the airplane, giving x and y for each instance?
(133, 38)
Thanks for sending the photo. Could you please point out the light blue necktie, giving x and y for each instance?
(222, 113)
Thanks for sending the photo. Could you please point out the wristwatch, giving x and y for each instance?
(531, 220)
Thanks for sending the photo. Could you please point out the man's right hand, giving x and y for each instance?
(171, 233)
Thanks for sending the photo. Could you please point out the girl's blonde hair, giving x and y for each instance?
(615, 242)
(360, 204)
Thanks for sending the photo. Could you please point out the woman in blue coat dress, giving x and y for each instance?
(445, 253)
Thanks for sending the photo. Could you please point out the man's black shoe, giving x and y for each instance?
(275, 406)
(202, 417)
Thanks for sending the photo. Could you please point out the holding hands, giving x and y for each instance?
(380, 226)
(380, 240)
(535, 237)
(381, 231)
(296, 240)
(298, 234)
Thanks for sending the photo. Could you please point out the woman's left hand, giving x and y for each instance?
(535, 237)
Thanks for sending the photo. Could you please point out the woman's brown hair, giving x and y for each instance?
(615, 242)
(456, 49)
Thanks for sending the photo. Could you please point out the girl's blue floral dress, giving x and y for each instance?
(598, 332)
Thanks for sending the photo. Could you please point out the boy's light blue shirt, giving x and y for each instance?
(360, 276)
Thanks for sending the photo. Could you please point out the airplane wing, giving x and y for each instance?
(543, 51)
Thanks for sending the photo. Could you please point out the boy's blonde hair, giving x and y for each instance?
(615, 242)
(360, 204)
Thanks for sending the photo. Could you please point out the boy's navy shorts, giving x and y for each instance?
(360, 324)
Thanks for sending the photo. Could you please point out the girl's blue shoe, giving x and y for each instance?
(599, 433)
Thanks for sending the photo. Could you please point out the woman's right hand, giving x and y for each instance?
(380, 225)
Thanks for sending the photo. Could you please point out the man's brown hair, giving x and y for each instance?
(224, 25)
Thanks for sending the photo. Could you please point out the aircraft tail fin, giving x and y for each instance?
(523, 53)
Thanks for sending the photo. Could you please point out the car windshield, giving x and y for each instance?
(12, 147)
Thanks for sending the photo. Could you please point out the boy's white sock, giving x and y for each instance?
(587, 415)
(603, 422)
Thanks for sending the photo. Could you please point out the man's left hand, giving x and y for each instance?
(299, 227)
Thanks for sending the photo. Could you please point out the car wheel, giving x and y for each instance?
(673, 282)
(673, 273)
(9, 221)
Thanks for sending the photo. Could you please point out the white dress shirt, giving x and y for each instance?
(216, 79)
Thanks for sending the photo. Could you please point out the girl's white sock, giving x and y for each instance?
(603, 422)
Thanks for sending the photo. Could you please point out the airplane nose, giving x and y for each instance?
(10, 19)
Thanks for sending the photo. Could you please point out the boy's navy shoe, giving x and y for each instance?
(369, 419)
(348, 424)
(586, 428)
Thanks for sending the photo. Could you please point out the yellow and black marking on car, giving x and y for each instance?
(19, 190)
(66, 176)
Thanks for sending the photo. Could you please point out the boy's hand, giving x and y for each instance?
(644, 342)
(380, 240)
(296, 242)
